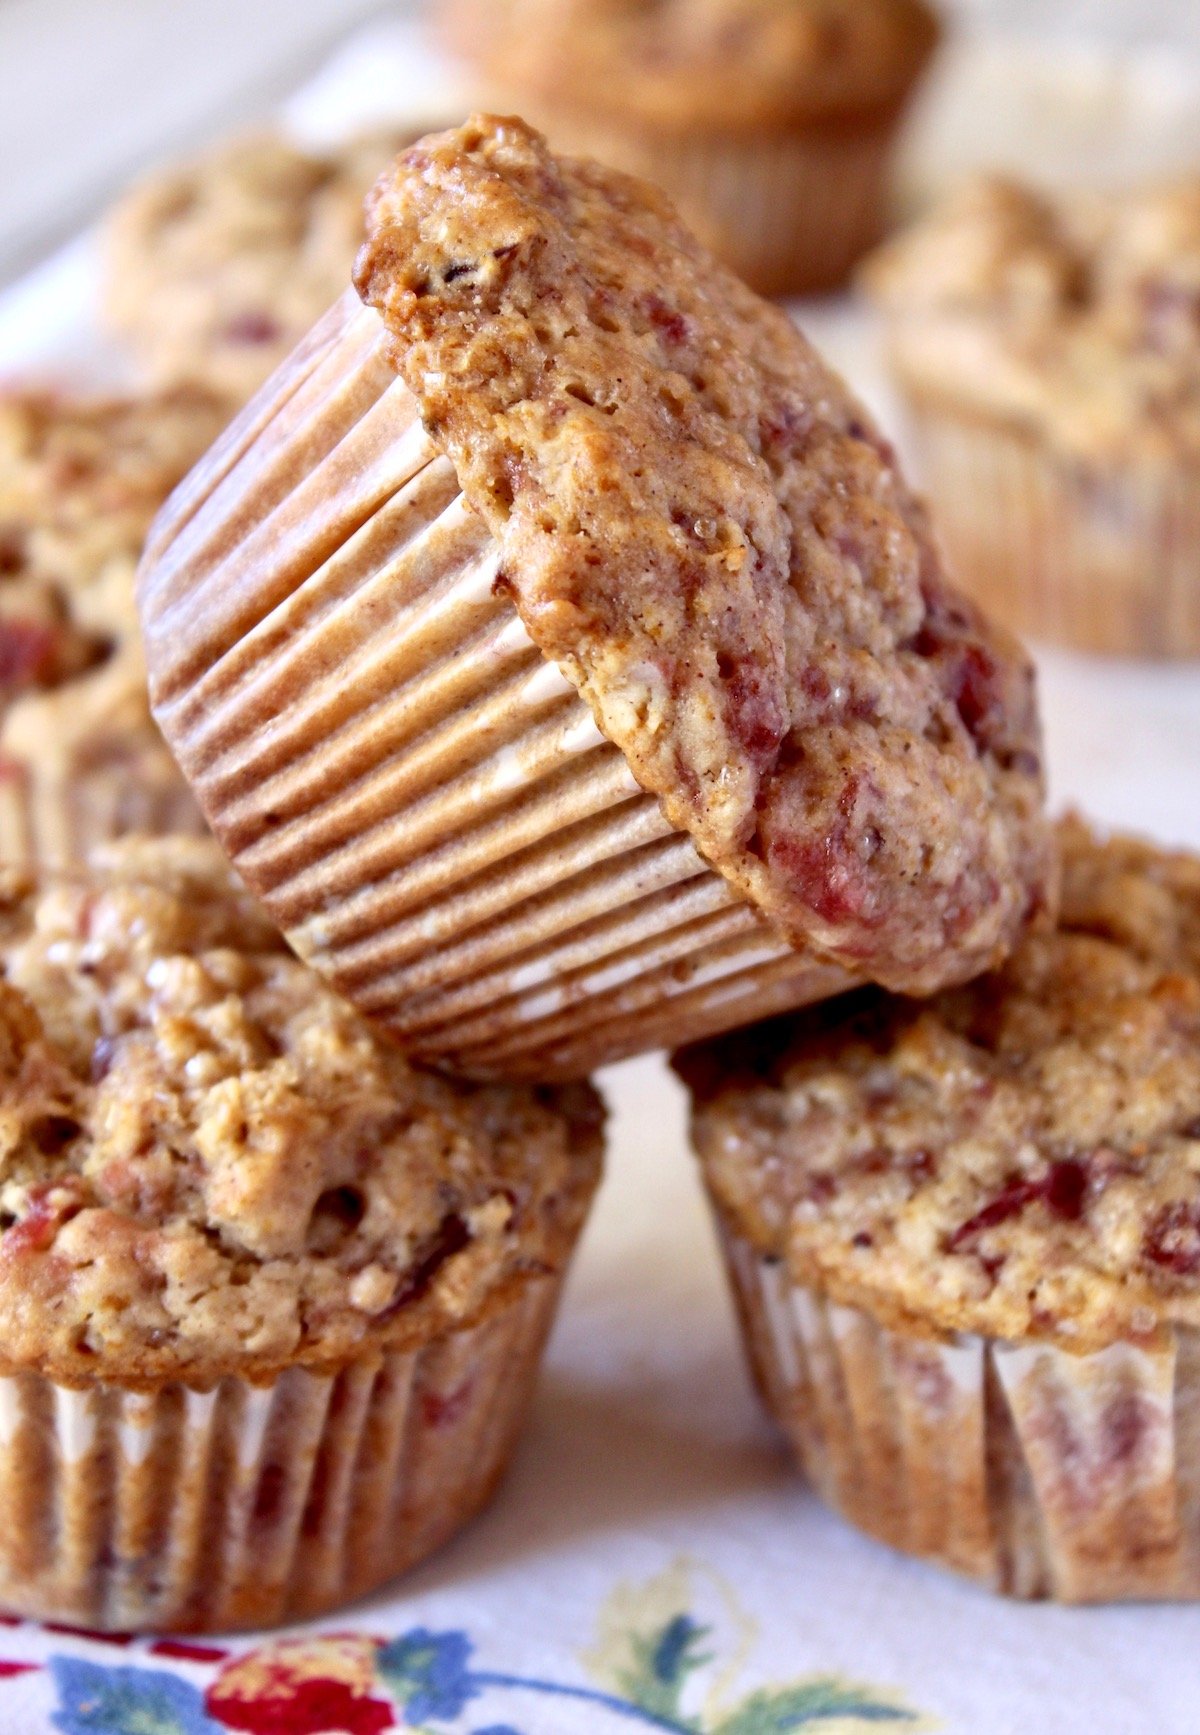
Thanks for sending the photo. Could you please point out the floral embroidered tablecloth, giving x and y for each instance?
(653, 1561)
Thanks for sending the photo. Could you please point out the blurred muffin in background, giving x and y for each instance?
(1048, 348)
(770, 122)
(80, 480)
(217, 265)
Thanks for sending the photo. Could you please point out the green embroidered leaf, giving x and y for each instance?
(778, 1711)
(662, 1662)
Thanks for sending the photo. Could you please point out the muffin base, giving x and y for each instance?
(423, 801)
(1100, 559)
(1036, 1472)
(792, 211)
(250, 1504)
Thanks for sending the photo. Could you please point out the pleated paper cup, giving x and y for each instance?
(420, 798)
(1098, 556)
(249, 1504)
(1034, 1471)
(84, 764)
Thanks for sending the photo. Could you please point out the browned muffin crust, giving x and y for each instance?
(1020, 1157)
(775, 63)
(209, 1163)
(704, 529)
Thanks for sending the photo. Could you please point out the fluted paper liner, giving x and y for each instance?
(423, 801)
(1102, 557)
(1037, 1472)
(246, 1505)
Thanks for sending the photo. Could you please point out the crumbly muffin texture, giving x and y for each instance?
(209, 1163)
(216, 267)
(1020, 1157)
(80, 480)
(701, 526)
(1073, 315)
(774, 62)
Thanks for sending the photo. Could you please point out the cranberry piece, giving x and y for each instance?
(252, 327)
(974, 687)
(26, 651)
(667, 321)
(12, 553)
(814, 684)
(1065, 1187)
(1173, 1238)
(826, 875)
(36, 1230)
(1009, 1202)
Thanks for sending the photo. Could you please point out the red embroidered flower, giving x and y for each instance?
(303, 1687)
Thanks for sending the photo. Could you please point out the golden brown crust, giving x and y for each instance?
(209, 1163)
(705, 531)
(218, 265)
(1018, 1158)
(1071, 316)
(775, 63)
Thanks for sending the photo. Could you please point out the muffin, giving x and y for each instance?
(772, 123)
(560, 656)
(1049, 353)
(215, 267)
(80, 481)
(964, 1240)
(271, 1301)
(557, 651)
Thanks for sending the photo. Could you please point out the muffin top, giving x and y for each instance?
(1020, 1157)
(211, 1164)
(1077, 316)
(708, 64)
(218, 265)
(706, 532)
(80, 480)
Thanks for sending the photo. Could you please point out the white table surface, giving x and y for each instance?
(649, 1482)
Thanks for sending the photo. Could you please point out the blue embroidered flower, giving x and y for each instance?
(95, 1699)
(427, 1674)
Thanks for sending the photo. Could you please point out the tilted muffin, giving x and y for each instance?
(216, 266)
(80, 480)
(772, 123)
(964, 1239)
(271, 1301)
(558, 652)
(1049, 352)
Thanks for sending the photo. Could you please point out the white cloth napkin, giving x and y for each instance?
(654, 1561)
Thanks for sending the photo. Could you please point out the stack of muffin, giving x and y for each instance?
(566, 669)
